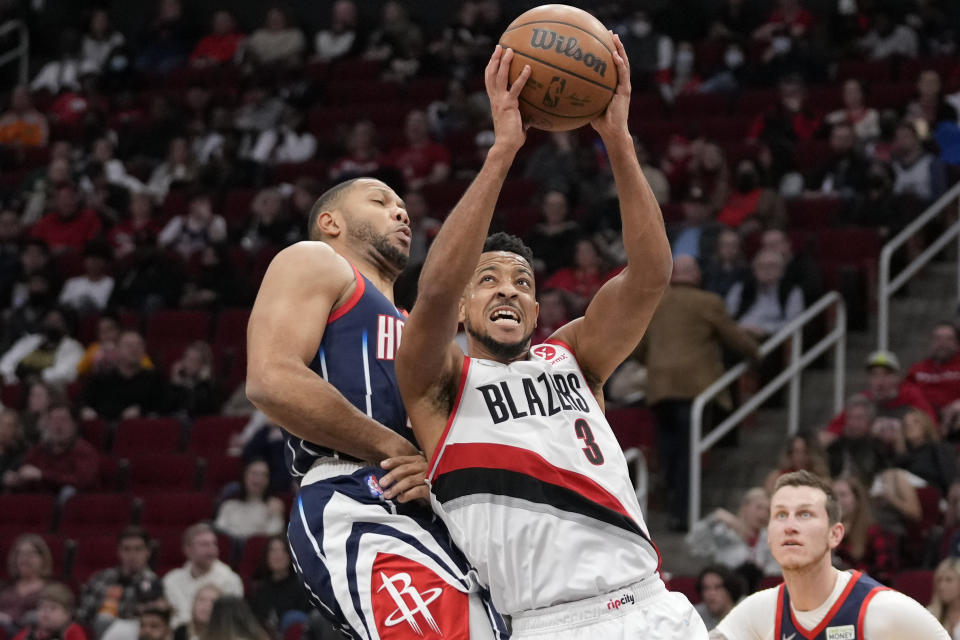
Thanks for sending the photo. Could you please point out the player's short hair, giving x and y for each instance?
(501, 241)
(804, 478)
(327, 201)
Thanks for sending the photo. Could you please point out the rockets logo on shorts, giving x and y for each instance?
(411, 601)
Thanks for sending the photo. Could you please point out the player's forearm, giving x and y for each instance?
(310, 408)
(454, 253)
(644, 237)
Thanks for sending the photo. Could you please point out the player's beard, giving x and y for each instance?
(500, 350)
(363, 232)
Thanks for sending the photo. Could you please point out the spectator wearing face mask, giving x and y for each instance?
(751, 205)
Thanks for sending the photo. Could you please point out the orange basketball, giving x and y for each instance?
(572, 72)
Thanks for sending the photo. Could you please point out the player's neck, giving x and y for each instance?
(376, 271)
(810, 586)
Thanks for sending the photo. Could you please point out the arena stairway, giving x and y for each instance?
(930, 297)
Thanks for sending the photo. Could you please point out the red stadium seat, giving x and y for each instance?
(812, 154)
(113, 474)
(95, 514)
(633, 426)
(147, 435)
(918, 584)
(96, 432)
(170, 512)
(813, 213)
(946, 66)
(518, 191)
(231, 327)
(11, 395)
(178, 326)
(93, 554)
(25, 512)
(222, 470)
(700, 104)
(871, 71)
(151, 472)
(290, 172)
(687, 585)
(211, 435)
(753, 102)
(251, 554)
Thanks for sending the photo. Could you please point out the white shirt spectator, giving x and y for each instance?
(902, 41)
(81, 292)
(243, 518)
(65, 359)
(187, 238)
(915, 179)
(180, 587)
(766, 312)
(58, 75)
(332, 45)
(284, 146)
(95, 51)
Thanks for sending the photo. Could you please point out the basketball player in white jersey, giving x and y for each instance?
(524, 468)
(817, 601)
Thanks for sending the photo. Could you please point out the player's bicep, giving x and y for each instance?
(426, 351)
(612, 326)
(299, 289)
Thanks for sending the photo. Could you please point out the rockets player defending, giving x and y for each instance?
(322, 338)
(817, 601)
(525, 470)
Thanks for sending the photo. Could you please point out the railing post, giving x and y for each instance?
(883, 300)
(840, 358)
(25, 56)
(696, 435)
(796, 351)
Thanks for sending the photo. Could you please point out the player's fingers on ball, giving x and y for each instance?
(504, 71)
(521, 80)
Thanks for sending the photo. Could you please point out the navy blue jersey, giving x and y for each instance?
(845, 618)
(356, 356)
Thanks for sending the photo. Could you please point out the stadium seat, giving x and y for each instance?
(700, 104)
(94, 553)
(211, 435)
(231, 326)
(753, 102)
(147, 435)
(518, 191)
(251, 553)
(812, 154)
(813, 213)
(222, 470)
(290, 172)
(11, 395)
(25, 512)
(96, 432)
(687, 585)
(633, 426)
(88, 514)
(170, 512)
(871, 71)
(918, 584)
(151, 472)
(113, 474)
(910, 70)
(442, 196)
(178, 325)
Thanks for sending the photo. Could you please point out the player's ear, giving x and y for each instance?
(462, 309)
(836, 534)
(330, 224)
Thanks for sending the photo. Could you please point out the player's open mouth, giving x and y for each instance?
(505, 315)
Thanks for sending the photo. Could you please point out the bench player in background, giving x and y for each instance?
(525, 469)
(817, 601)
(321, 343)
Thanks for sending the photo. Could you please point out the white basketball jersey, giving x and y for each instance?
(533, 485)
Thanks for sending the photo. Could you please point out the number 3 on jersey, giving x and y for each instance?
(591, 451)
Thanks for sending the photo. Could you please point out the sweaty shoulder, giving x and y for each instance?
(752, 619)
(892, 615)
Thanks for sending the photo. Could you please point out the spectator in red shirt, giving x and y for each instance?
(938, 375)
(789, 122)
(581, 282)
(893, 397)
(422, 161)
(139, 230)
(61, 459)
(70, 225)
(220, 46)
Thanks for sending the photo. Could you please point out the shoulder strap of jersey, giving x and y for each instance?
(354, 298)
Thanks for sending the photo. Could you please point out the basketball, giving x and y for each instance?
(572, 72)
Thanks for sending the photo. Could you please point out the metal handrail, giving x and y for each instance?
(886, 288)
(799, 360)
(21, 51)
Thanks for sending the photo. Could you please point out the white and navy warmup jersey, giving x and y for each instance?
(533, 486)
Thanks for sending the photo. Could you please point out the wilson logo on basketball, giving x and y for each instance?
(546, 40)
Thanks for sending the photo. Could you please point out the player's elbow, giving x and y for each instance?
(259, 386)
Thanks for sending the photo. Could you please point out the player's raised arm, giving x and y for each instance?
(424, 356)
(279, 351)
(618, 316)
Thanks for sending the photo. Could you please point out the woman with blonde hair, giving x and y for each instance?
(29, 565)
(865, 545)
(200, 612)
(945, 604)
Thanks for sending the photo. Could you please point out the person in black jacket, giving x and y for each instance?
(278, 599)
(128, 390)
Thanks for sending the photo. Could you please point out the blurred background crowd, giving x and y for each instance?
(157, 157)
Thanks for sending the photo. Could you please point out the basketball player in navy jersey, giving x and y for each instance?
(817, 601)
(322, 339)
(525, 470)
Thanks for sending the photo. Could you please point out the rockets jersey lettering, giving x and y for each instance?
(844, 621)
(528, 468)
(356, 356)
